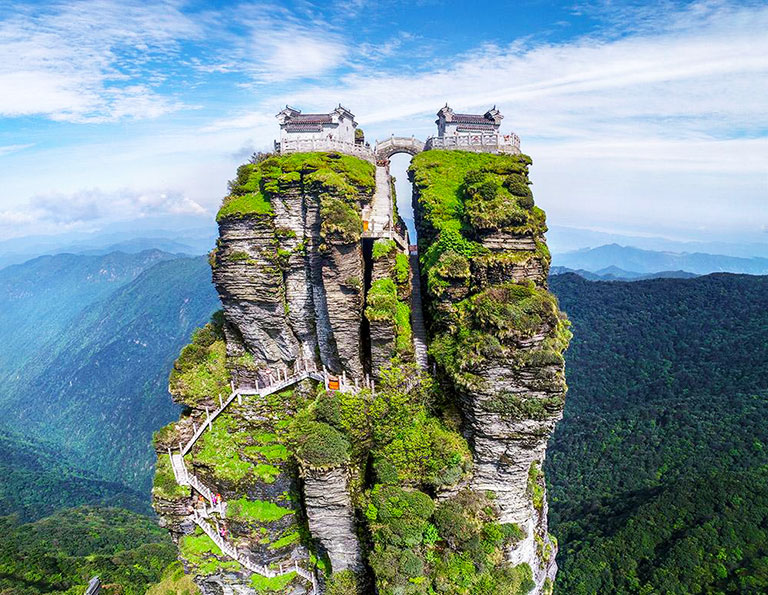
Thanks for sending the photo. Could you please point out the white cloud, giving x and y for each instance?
(296, 53)
(708, 74)
(5, 150)
(668, 119)
(76, 61)
(86, 208)
(281, 46)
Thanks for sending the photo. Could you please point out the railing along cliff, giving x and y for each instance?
(309, 145)
(486, 143)
(184, 476)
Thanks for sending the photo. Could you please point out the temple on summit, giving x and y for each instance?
(472, 132)
(338, 131)
(449, 123)
(334, 131)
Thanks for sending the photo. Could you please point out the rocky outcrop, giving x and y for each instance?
(453, 458)
(331, 516)
(499, 335)
(288, 267)
(289, 291)
(382, 331)
(251, 287)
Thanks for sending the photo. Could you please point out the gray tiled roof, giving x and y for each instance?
(303, 127)
(311, 119)
(475, 119)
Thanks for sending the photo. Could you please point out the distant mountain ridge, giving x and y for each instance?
(93, 340)
(635, 260)
(130, 237)
(562, 239)
(616, 274)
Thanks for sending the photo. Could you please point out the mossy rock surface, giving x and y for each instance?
(200, 373)
(465, 197)
(257, 184)
(164, 484)
(204, 555)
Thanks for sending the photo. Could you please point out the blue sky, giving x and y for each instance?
(643, 118)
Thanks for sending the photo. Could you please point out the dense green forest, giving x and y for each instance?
(658, 472)
(38, 479)
(59, 554)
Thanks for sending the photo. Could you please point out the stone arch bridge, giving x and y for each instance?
(397, 144)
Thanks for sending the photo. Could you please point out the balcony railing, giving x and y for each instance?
(311, 145)
(490, 143)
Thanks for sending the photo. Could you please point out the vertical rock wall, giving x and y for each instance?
(331, 516)
(496, 332)
(290, 292)
(290, 269)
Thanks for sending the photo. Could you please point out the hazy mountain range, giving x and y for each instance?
(88, 343)
(635, 260)
(667, 394)
(189, 238)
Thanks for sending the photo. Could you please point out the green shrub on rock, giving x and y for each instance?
(397, 516)
(382, 247)
(200, 372)
(255, 185)
(258, 511)
(384, 305)
(381, 300)
(164, 485)
(517, 185)
(423, 452)
(402, 268)
(341, 222)
(319, 445)
(345, 582)
(493, 323)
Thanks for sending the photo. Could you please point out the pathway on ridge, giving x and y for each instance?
(381, 204)
(417, 316)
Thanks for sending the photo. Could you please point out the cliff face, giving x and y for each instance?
(288, 268)
(289, 271)
(497, 334)
(414, 484)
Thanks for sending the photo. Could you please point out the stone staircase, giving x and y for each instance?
(201, 515)
(417, 315)
(380, 213)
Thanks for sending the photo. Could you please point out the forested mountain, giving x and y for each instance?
(38, 479)
(91, 379)
(58, 554)
(657, 472)
(40, 298)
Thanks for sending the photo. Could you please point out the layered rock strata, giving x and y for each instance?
(497, 333)
(376, 487)
(291, 287)
(331, 516)
(390, 274)
(289, 271)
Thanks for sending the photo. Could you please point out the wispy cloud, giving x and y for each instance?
(5, 150)
(709, 77)
(87, 208)
(274, 44)
(652, 114)
(88, 60)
